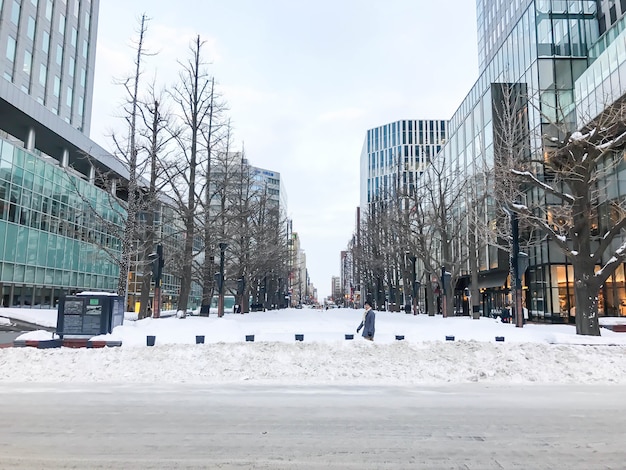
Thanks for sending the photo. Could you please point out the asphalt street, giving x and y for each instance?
(7, 337)
(467, 426)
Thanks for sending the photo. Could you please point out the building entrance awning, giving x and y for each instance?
(492, 279)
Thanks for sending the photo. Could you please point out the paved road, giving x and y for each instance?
(275, 427)
(7, 337)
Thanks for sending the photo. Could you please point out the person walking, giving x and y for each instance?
(368, 323)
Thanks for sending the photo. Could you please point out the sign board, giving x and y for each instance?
(89, 315)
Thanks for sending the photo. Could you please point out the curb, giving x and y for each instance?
(66, 343)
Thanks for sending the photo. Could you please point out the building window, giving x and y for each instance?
(49, 10)
(613, 14)
(28, 62)
(69, 97)
(15, 13)
(43, 74)
(45, 42)
(62, 25)
(85, 48)
(57, 86)
(83, 77)
(74, 36)
(11, 49)
(59, 54)
(72, 66)
(30, 30)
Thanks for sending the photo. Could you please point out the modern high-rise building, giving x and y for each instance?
(609, 12)
(394, 155)
(47, 184)
(48, 53)
(563, 62)
(59, 218)
(553, 54)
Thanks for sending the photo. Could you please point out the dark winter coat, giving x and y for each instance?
(368, 324)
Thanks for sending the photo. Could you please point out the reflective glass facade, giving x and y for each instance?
(50, 237)
(547, 46)
(400, 148)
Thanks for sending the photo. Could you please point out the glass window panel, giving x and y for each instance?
(30, 29)
(21, 245)
(10, 53)
(45, 42)
(15, 13)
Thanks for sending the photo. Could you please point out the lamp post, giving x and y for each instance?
(445, 281)
(414, 286)
(519, 263)
(220, 285)
(156, 259)
(158, 272)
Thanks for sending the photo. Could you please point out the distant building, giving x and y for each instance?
(394, 155)
(336, 291)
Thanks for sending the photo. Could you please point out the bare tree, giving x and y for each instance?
(580, 211)
(127, 148)
(194, 97)
(157, 134)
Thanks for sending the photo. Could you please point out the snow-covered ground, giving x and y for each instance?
(532, 354)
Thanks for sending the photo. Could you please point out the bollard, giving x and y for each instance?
(150, 340)
(449, 338)
(500, 338)
(250, 338)
(349, 336)
(299, 337)
(399, 337)
(200, 339)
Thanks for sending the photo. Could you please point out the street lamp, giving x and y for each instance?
(414, 284)
(220, 285)
(519, 263)
(157, 272)
(445, 285)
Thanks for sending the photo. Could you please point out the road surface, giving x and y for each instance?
(466, 426)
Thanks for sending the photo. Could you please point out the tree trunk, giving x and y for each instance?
(586, 295)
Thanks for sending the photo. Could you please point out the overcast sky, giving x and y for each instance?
(304, 80)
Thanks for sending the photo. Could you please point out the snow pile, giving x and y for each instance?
(533, 354)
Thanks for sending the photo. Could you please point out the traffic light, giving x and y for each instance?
(157, 264)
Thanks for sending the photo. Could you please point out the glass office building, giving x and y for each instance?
(553, 49)
(58, 218)
(50, 238)
(394, 155)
